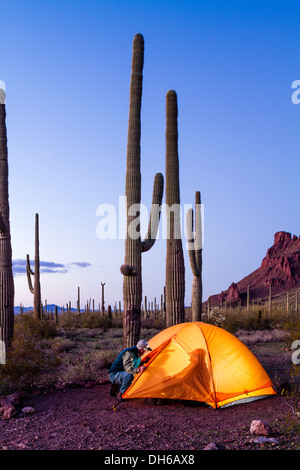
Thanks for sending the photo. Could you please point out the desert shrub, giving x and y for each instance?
(89, 368)
(292, 329)
(104, 359)
(25, 358)
(252, 320)
(60, 344)
(156, 323)
(69, 320)
(95, 320)
(260, 336)
(34, 327)
(92, 320)
(115, 333)
(78, 373)
(215, 317)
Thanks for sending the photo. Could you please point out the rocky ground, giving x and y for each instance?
(82, 418)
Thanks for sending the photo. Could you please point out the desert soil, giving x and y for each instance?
(83, 419)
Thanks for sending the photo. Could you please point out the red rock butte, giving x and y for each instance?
(280, 269)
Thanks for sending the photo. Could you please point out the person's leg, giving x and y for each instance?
(121, 378)
(126, 381)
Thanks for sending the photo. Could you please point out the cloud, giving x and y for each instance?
(46, 267)
(80, 264)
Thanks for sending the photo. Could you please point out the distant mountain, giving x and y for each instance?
(50, 308)
(280, 269)
(25, 309)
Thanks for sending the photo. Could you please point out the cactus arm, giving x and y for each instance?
(28, 265)
(198, 230)
(127, 270)
(191, 242)
(29, 272)
(195, 255)
(158, 189)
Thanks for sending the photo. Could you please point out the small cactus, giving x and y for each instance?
(78, 300)
(103, 302)
(109, 311)
(36, 290)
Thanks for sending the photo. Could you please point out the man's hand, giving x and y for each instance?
(141, 369)
(147, 359)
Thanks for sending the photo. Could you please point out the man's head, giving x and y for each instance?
(143, 346)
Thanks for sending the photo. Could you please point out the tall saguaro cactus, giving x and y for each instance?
(36, 290)
(195, 255)
(134, 246)
(175, 270)
(6, 274)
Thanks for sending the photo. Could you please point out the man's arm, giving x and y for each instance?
(128, 364)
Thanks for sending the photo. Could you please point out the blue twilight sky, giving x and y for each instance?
(66, 65)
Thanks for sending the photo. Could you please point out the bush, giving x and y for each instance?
(253, 320)
(72, 320)
(25, 359)
(292, 328)
(153, 323)
(60, 345)
(27, 325)
(95, 320)
(260, 336)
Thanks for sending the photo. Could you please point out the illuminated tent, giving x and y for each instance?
(200, 362)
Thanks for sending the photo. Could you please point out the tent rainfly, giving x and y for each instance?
(200, 362)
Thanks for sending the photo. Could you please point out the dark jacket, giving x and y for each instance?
(118, 365)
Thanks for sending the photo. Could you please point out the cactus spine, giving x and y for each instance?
(36, 290)
(6, 274)
(195, 255)
(134, 247)
(175, 270)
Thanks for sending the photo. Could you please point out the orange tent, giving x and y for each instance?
(202, 362)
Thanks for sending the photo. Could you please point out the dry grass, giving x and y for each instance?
(260, 336)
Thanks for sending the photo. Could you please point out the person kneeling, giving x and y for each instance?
(126, 365)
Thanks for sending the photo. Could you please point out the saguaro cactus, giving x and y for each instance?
(36, 290)
(175, 270)
(103, 302)
(6, 274)
(134, 246)
(195, 255)
(78, 300)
